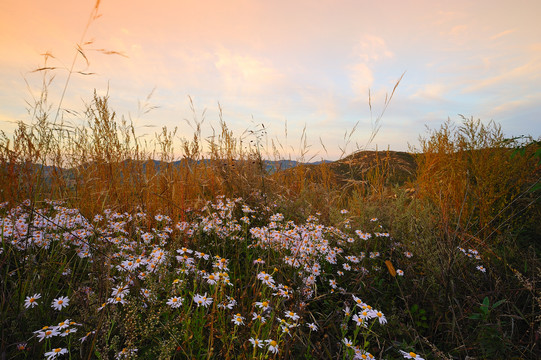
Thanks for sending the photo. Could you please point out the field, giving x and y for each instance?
(110, 253)
(224, 248)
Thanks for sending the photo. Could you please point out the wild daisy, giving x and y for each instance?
(47, 333)
(55, 352)
(175, 302)
(399, 272)
(260, 317)
(86, 336)
(64, 324)
(68, 331)
(380, 317)
(120, 290)
(228, 303)
(293, 316)
(60, 303)
(262, 304)
(359, 320)
(411, 355)
(238, 319)
(202, 300)
(266, 278)
(256, 342)
(273, 346)
(31, 301)
(365, 314)
(211, 278)
(201, 255)
(119, 299)
(125, 353)
(312, 326)
(364, 355)
(358, 301)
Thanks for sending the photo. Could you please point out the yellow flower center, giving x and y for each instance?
(57, 350)
(273, 343)
(413, 355)
(60, 302)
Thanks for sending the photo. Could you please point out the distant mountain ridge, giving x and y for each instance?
(398, 166)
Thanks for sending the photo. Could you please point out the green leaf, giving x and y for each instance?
(485, 304)
(498, 303)
(536, 187)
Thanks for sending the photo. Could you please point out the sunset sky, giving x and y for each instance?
(295, 62)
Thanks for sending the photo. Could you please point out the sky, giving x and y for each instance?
(295, 66)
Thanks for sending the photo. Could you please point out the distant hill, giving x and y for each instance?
(398, 167)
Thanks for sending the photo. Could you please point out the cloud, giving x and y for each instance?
(372, 48)
(361, 79)
(524, 74)
(432, 91)
(515, 105)
(245, 75)
(368, 51)
(503, 33)
(459, 30)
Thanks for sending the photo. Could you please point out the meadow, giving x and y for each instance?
(117, 248)
(109, 253)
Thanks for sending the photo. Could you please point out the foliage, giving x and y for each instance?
(124, 249)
